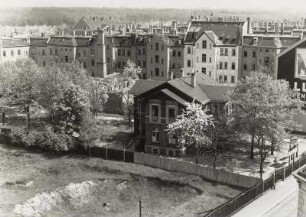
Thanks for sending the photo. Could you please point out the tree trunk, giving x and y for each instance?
(252, 148)
(261, 168)
(215, 158)
(197, 153)
(272, 149)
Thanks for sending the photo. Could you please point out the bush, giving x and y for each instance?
(44, 140)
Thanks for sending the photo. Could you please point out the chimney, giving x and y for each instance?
(193, 79)
(248, 25)
(282, 28)
(73, 32)
(266, 27)
(171, 75)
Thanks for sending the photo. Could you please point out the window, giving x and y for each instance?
(225, 65)
(162, 60)
(123, 52)
(156, 46)
(50, 51)
(189, 50)
(225, 78)
(144, 63)
(210, 59)
(233, 52)
(129, 53)
(245, 67)
(119, 64)
(43, 52)
(179, 53)
(155, 135)
(155, 113)
(171, 114)
(151, 46)
(209, 73)
(221, 65)
(188, 63)
(44, 63)
(139, 51)
(173, 66)
(245, 54)
(92, 51)
(144, 51)
(254, 54)
(66, 59)
(171, 140)
(254, 67)
(19, 52)
(139, 63)
(266, 50)
(4, 53)
(108, 60)
(220, 79)
(84, 65)
(233, 66)
(156, 59)
(56, 53)
(151, 60)
(156, 71)
(119, 52)
(197, 45)
(123, 64)
(232, 79)
(204, 70)
(221, 52)
(93, 62)
(266, 61)
(12, 53)
(204, 44)
(226, 52)
(162, 47)
(174, 53)
(197, 59)
(203, 58)
(107, 47)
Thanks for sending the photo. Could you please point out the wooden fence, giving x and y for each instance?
(248, 196)
(206, 172)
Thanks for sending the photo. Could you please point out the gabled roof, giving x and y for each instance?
(142, 86)
(204, 91)
(291, 47)
(93, 22)
(66, 41)
(227, 32)
(270, 41)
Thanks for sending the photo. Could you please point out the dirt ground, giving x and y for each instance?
(35, 184)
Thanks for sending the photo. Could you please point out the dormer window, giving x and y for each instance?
(255, 40)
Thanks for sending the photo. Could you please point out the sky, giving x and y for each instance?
(270, 5)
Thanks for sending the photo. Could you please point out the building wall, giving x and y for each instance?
(14, 53)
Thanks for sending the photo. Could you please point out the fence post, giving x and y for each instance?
(105, 153)
(299, 162)
(124, 155)
(292, 167)
(263, 186)
(284, 174)
(274, 185)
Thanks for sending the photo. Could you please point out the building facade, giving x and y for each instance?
(12, 49)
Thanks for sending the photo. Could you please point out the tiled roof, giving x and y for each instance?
(142, 86)
(122, 41)
(14, 42)
(216, 93)
(270, 41)
(38, 42)
(83, 41)
(227, 32)
(95, 22)
(66, 41)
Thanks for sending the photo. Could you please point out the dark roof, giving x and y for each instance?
(15, 42)
(227, 32)
(39, 42)
(94, 22)
(142, 86)
(66, 41)
(270, 41)
(122, 41)
(216, 93)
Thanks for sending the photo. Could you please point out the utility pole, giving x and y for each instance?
(139, 206)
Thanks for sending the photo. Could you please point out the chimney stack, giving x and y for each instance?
(282, 28)
(193, 79)
(171, 75)
(248, 25)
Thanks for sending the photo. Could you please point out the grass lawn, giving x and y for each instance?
(37, 184)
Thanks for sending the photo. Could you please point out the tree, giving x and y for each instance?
(97, 94)
(264, 108)
(191, 127)
(122, 84)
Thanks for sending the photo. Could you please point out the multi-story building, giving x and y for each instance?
(214, 48)
(12, 49)
(158, 103)
(259, 52)
(165, 57)
(300, 176)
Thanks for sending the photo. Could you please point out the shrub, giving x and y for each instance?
(44, 140)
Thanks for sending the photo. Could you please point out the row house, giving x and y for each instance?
(12, 49)
(158, 103)
(214, 49)
(259, 52)
(165, 57)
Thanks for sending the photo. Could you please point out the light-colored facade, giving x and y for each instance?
(12, 49)
(300, 176)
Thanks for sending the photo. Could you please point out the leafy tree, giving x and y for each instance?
(264, 108)
(191, 127)
(122, 84)
(70, 110)
(97, 94)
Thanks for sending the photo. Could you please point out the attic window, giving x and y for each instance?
(221, 38)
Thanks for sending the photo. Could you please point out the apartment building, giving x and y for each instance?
(165, 57)
(214, 49)
(259, 52)
(12, 49)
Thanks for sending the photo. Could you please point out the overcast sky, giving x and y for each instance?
(292, 5)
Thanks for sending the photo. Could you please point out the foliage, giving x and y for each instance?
(191, 127)
(70, 109)
(264, 108)
(44, 140)
(89, 131)
(97, 94)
